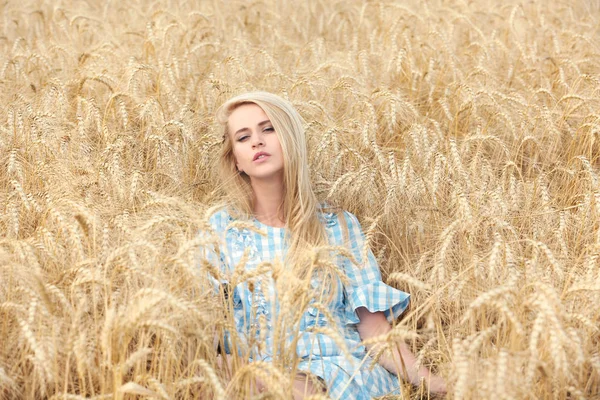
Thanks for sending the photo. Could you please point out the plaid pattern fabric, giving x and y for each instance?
(347, 377)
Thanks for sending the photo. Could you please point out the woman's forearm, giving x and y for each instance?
(400, 360)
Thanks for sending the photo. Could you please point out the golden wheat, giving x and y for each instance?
(464, 135)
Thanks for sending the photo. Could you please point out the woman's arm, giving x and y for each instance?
(401, 362)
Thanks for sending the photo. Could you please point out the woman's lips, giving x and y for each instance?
(261, 157)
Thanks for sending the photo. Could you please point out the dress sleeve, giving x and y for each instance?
(211, 258)
(365, 287)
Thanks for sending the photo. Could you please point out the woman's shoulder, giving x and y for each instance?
(221, 216)
(331, 215)
(334, 211)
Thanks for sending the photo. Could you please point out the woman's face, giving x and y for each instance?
(256, 147)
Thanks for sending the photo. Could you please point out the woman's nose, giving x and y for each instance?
(257, 140)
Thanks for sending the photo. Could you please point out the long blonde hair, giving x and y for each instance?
(300, 204)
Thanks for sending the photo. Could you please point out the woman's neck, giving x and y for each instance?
(268, 199)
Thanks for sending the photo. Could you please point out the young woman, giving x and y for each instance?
(264, 165)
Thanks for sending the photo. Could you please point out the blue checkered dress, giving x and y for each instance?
(346, 377)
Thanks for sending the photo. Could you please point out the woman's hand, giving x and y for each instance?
(436, 384)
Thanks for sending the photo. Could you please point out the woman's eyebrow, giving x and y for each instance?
(260, 124)
(241, 130)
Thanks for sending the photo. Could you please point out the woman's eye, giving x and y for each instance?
(269, 129)
(242, 138)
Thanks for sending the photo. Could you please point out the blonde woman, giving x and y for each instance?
(264, 165)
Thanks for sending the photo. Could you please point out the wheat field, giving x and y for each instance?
(463, 134)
